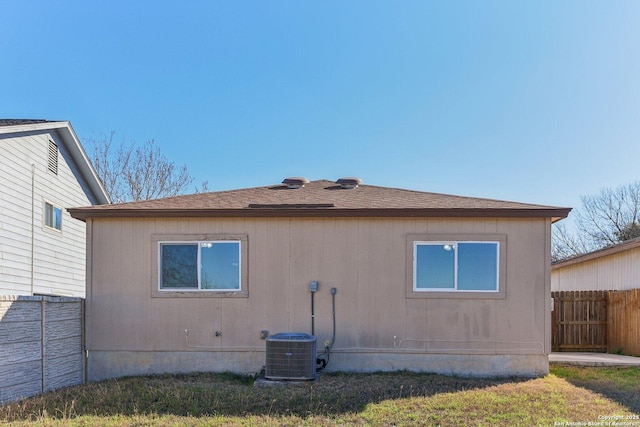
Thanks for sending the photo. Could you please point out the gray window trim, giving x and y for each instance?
(156, 292)
(501, 239)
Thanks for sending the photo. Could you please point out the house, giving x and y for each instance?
(420, 281)
(614, 268)
(44, 170)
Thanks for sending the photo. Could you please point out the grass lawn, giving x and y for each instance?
(567, 395)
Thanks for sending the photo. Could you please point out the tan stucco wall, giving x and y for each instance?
(378, 326)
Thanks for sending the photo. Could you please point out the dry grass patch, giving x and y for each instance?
(336, 399)
(619, 384)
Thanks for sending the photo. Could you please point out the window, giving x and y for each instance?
(202, 265)
(52, 216)
(460, 266)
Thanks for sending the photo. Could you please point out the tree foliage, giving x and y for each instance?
(133, 172)
(605, 219)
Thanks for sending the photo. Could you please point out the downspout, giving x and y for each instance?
(43, 344)
(86, 303)
(33, 222)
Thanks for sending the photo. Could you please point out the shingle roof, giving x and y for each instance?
(600, 253)
(16, 122)
(320, 198)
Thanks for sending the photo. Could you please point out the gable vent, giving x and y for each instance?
(53, 157)
(295, 182)
(349, 183)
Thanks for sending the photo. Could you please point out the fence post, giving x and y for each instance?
(43, 349)
(83, 340)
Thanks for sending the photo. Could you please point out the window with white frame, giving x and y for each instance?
(200, 266)
(52, 216)
(463, 266)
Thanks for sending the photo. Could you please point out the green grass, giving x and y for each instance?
(381, 399)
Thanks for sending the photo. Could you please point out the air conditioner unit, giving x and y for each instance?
(291, 356)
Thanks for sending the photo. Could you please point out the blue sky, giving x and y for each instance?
(529, 101)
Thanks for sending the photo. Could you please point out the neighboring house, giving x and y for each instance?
(43, 171)
(614, 268)
(423, 281)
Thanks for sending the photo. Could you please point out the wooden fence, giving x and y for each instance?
(623, 329)
(599, 321)
(579, 321)
(41, 345)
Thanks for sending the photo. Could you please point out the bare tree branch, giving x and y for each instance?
(607, 218)
(131, 172)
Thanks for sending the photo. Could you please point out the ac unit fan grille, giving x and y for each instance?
(291, 356)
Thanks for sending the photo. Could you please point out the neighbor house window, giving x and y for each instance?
(52, 216)
(462, 266)
(202, 265)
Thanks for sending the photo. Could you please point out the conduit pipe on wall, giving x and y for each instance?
(219, 348)
(323, 359)
(313, 287)
(33, 223)
(396, 347)
(398, 344)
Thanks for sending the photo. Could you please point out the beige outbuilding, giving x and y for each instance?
(385, 278)
(614, 268)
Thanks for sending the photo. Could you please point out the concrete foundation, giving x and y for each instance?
(112, 364)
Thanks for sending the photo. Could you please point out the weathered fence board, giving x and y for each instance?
(63, 371)
(19, 373)
(596, 321)
(55, 329)
(579, 321)
(17, 391)
(63, 311)
(623, 328)
(9, 313)
(64, 346)
(20, 352)
(40, 345)
(14, 332)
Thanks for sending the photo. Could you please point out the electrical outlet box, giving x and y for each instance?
(313, 286)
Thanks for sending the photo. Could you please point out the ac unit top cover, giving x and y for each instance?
(291, 336)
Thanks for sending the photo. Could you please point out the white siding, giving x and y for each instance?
(619, 271)
(58, 257)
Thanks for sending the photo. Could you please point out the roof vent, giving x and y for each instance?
(349, 183)
(295, 182)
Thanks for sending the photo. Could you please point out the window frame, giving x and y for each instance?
(51, 216)
(199, 267)
(413, 241)
(156, 264)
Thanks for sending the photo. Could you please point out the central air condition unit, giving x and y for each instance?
(291, 356)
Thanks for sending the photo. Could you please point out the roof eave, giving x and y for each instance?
(84, 164)
(28, 127)
(86, 213)
(70, 139)
(600, 253)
